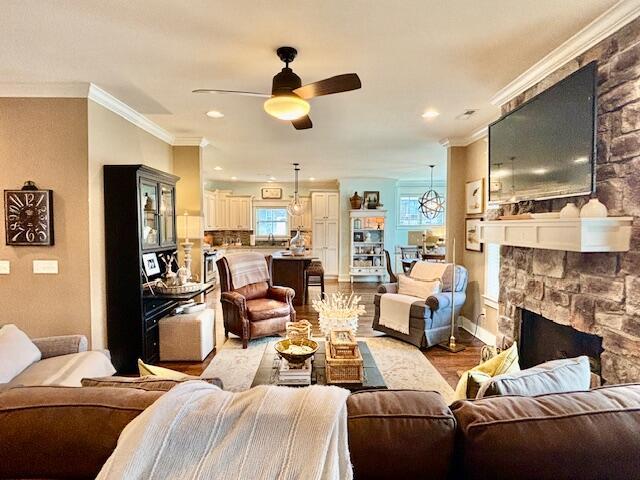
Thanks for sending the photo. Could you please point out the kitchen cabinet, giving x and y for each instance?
(325, 205)
(223, 211)
(240, 217)
(325, 211)
(304, 221)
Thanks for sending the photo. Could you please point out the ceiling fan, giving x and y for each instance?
(288, 99)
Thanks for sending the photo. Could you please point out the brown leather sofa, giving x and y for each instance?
(255, 310)
(58, 432)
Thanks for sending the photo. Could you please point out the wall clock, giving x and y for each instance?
(28, 216)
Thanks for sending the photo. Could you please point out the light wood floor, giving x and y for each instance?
(450, 365)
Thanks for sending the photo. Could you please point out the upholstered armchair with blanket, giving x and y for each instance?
(251, 306)
(429, 318)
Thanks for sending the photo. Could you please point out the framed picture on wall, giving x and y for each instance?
(271, 193)
(472, 234)
(474, 195)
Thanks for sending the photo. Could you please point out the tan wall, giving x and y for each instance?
(45, 140)
(476, 161)
(112, 140)
(456, 167)
(187, 164)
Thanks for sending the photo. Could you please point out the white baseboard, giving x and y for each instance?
(480, 333)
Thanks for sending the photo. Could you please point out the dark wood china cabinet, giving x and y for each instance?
(140, 218)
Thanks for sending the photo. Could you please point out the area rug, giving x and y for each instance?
(403, 366)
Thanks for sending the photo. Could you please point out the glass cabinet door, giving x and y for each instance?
(167, 215)
(149, 214)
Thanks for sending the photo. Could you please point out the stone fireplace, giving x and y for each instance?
(594, 293)
(542, 339)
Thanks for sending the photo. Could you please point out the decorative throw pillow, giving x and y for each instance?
(148, 382)
(417, 288)
(470, 381)
(162, 372)
(556, 376)
(17, 352)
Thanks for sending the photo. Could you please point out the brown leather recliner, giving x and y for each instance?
(255, 310)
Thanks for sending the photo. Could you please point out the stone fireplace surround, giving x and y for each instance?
(596, 293)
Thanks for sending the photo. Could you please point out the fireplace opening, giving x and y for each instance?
(542, 340)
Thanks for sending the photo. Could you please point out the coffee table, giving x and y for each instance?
(267, 373)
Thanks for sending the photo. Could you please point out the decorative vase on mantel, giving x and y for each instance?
(594, 209)
(570, 211)
(356, 201)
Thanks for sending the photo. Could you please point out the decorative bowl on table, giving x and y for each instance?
(296, 351)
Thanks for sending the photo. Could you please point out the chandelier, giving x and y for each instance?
(295, 208)
(431, 202)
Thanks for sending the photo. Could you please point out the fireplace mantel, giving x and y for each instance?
(611, 234)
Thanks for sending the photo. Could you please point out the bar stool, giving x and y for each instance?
(316, 271)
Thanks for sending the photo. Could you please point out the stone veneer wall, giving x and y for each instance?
(596, 293)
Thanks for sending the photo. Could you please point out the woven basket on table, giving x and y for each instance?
(344, 370)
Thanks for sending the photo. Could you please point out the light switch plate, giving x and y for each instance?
(5, 267)
(49, 267)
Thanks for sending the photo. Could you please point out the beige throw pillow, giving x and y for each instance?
(17, 352)
(417, 288)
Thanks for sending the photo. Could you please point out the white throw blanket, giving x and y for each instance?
(395, 310)
(428, 270)
(197, 431)
(247, 268)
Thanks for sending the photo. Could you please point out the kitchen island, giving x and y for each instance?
(289, 271)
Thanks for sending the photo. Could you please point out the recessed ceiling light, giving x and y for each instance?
(269, 181)
(540, 171)
(581, 160)
(217, 169)
(272, 178)
(312, 178)
(430, 114)
(215, 114)
(234, 178)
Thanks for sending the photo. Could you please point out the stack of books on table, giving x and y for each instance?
(288, 375)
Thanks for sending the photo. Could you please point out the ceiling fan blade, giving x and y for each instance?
(231, 92)
(337, 84)
(302, 123)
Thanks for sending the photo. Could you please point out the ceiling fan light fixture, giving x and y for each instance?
(286, 107)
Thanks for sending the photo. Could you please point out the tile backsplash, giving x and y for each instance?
(219, 237)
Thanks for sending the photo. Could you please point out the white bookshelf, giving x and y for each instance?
(367, 231)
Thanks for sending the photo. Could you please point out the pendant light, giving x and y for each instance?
(431, 202)
(295, 208)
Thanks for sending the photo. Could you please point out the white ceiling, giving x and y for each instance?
(411, 55)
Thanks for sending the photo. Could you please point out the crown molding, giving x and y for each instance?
(622, 13)
(190, 142)
(45, 90)
(120, 108)
(465, 141)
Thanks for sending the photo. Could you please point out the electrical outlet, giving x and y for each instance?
(5, 267)
(47, 267)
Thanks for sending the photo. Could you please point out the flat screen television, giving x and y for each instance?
(546, 147)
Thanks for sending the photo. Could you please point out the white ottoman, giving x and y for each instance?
(187, 337)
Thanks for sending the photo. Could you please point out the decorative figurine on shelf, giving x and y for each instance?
(170, 277)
